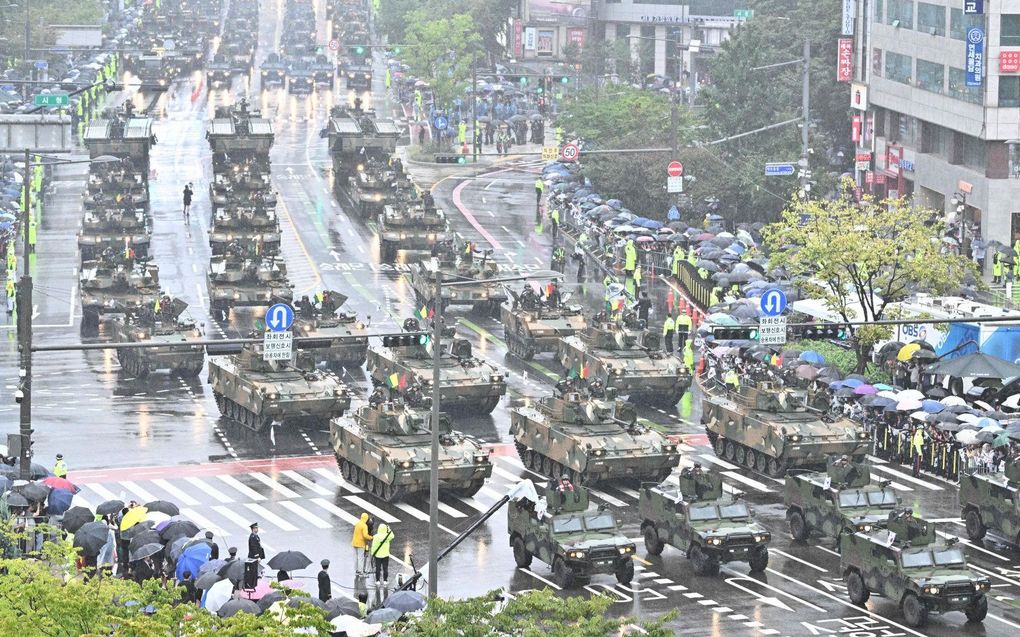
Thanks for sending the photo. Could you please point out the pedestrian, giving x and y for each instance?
(188, 192)
(678, 256)
(361, 541)
(325, 587)
(637, 278)
(668, 327)
(144, 570)
(539, 189)
(643, 305)
(684, 327)
(917, 448)
(60, 467)
(421, 135)
(12, 292)
(977, 251)
(381, 553)
(555, 217)
(190, 594)
(630, 258)
(107, 554)
(255, 553)
(214, 548)
(997, 268)
(363, 603)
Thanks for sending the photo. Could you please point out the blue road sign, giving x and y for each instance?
(775, 169)
(7, 88)
(42, 64)
(773, 302)
(280, 317)
(440, 122)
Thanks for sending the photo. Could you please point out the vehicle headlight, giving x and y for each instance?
(982, 585)
(378, 196)
(406, 464)
(624, 550)
(793, 437)
(430, 237)
(429, 382)
(762, 537)
(598, 452)
(360, 326)
(714, 541)
(931, 590)
(481, 457)
(577, 555)
(339, 392)
(863, 435)
(367, 76)
(237, 296)
(528, 318)
(273, 396)
(495, 378)
(864, 527)
(669, 448)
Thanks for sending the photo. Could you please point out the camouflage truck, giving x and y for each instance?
(766, 428)
(257, 225)
(112, 285)
(908, 565)
(990, 501)
(533, 324)
(621, 354)
(161, 324)
(590, 436)
(115, 228)
(410, 227)
(217, 70)
(707, 526)
(246, 281)
(273, 70)
(255, 392)
(385, 448)
(838, 501)
(465, 382)
(483, 296)
(340, 338)
(576, 540)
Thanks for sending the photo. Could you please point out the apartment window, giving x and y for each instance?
(898, 67)
(906, 130)
(877, 16)
(973, 152)
(1014, 162)
(931, 18)
(1009, 91)
(1010, 30)
(959, 22)
(876, 62)
(958, 89)
(931, 76)
(900, 13)
(936, 140)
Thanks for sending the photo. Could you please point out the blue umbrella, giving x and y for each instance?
(811, 357)
(193, 559)
(58, 502)
(836, 384)
(852, 382)
(932, 406)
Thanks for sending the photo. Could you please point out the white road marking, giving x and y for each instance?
(539, 578)
(797, 559)
(207, 488)
(266, 514)
(721, 463)
(374, 510)
(241, 522)
(244, 490)
(449, 510)
(306, 483)
(748, 481)
(907, 478)
(273, 484)
(102, 492)
(474, 504)
(203, 522)
(974, 546)
(608, 498)
(181, 496)
(337, 479)
(297, 510)
(335, 510)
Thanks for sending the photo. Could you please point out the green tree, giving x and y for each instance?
(860, 258)
(491, 19)
(42, 14)
(442, 52)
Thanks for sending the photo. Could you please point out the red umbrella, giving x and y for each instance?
(54, 482)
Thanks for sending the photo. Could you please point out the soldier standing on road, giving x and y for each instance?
(214, 548)
(188, 192)
(555, 217)
(630, 258)
(668, 327)
(361, 541)
(255, 553)
(325, 587)
(12, 292)
(684, 325)
(644, 304)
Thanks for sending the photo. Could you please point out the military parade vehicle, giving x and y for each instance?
(460, 264)
(217, 70)
(115, 284)
(356, 135)
(242, 278)
(578, 541)
(622, 354)
(154, 69)
(339, 338)
(358, 76)
(414, 227)
(465, 382)
(255, 226)
(300, 76)
(160, 323)
(236, 133)
(591, 436)
(122, 134)
(710, 528)
(907, 564)
(370, 187)
(116, 185)
(116, 229)
(533, 323)
(765, 427)
(241, 56)
(273, 70)
(385, 448)
(323, 71)
(840, 500)
(990, 501)
(257, 392)
(248, 182)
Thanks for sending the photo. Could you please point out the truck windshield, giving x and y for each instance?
(601, 522)
(706, 512)
(916, 559)
(567, 525)
(735, 510)
(851, 499)
(886, 497)
(949, 557)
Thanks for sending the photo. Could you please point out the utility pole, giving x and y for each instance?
(805, 174)
(24, 309)
(474, 107)
(437, 331)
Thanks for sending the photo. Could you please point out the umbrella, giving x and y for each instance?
(58, 502)
(967, 417)
(91, 537)
(33, 491)
(54, 482)
(177, 529)
(270, 598)
(141, 527)
(908, 405)
(354, 627)
(289, 561)
(16, 500)
(958, 409)
(907, 351)
(76, 517)
(808, 372)
(844, 392)
(192, 559)
(405, 601)
(883, 387)
(1001, 440)
(232, 570)
(133, 517)
(887, 394)
(236, 606)
(953, 400)
(212, 565)
(206, 580)
(966, 437)
(142, 538)
(217, 595)
(932, 406)
(297, 600)
(147, 550)
(384, 616)
(865, 390)
(875, 400)
(935, 393)
(910, 394)
(811, 357)
(162, 506)
(985, 423)
(109, 507)
(920, 415)
(343, 606)
(986, 435)
(976, 365)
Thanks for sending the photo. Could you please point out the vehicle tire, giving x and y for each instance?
(563, 574)
(978, 609)
(856, 588)
(700, 560)
(761, 463)
(777, 468)
(914, 612)
(731, 450)
(625, 572)
(522, 556)
(975, 525)
(759, 559)
(719, 446)
(653, 545)
(799, 528)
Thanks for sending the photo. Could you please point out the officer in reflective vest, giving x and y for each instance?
(668, 327)
(683, 329)
(678, 256)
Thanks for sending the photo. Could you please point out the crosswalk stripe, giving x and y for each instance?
(306, 483)
(241, 488)
(104, 493)
(449, 510)
(505, 474)
(273, 484)
(907, 478)
(208, 488)
(413, 511)
(377, 512)
(79, 501)
(629, 492)
(511, 460)
(298, 510)
(179, 495)
(473, 503)
(141, 493)
(489, 493)
(338, 480)
(608, 498)
(203, 522)
(233, 517)
(266, 514)
(335, 510)
(748, 481)
(721, 463)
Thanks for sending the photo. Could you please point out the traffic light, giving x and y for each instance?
(564, 80)
(449, 158)
(735, 333)
(360, 50)
(831, 331)
(405, 340)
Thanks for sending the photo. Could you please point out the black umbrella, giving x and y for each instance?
(109, 507)
(178, 529)
(289, 561)
(206, 580)
(91, 537)
(236, 606)
(141, 527)
(146, 550)
(405, 601)
(342, 606)
(976, 365)
(76, 517)
(945, 416)
(232, 570)
(305, 599)
(271, 598)
(845, 392)
(33, 491)
(162, 506)
(139, 540)
(16, 500)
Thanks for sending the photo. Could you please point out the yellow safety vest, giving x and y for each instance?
(668, 326)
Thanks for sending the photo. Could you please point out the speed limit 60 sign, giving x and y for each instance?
(569, 152)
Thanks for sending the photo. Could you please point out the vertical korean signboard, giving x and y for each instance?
(518, 39)
(975, 63)
(974, 7)
(845, 60)
(849, 12)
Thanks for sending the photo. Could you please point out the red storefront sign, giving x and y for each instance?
(845, 60)
(869, 177)
(879, 178)
(576, 36)
(518, 39)
(855, 128)
(1009, 61)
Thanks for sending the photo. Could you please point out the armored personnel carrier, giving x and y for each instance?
(241, 56)
(578, 541)
(247, 183)
(238, 133)
(621, 354)
(590, 436)
(355, 135)
(273, 70)
(413, 227)
(358, 76)
(533, 323)
(339, 338)
(989, 501)
(708, 527)
(116, 284)
(160, 323)
(245, 280)
(765, 427)
(460, 264)
(323, 71)
(122, 134)
(300, 76)
(910, 566)
(217, 70)
(115, 185)
(465, 382)
(370, 187)
(384, 447)
(254, 226)
(256, 392)
(116, 229)
(840, 500)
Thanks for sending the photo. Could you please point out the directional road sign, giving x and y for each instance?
(440, 122)
(278, 346)
(569, 152)
(52, 99)
(779, 169)
(773, 302)
(772, 330)
(550, 153)
(280, 317)
(334, 45)
(674, 169)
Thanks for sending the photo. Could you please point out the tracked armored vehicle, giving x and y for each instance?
(116, 229)
(370, 187)
(413, 227)
(217, 70)
(339, 338)
(590, 436)
(710, 528)
(161, 324)
(239, 280)
(247, 183)
(115, 285)
(460, 264)
(991, 502)
(273, 70)
(356, 135)
(121, 134)
(255, 392)
(237, 226)
(534, 324)
(766, 428)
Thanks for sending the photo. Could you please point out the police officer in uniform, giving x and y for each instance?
(255, 553)
(60, 467)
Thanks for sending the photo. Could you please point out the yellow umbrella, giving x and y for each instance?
(133, 517)
(907, 351)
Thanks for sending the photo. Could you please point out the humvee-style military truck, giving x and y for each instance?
(990, 501)
(710, 528)
(907, 564)
(576, 541)
(841, 499)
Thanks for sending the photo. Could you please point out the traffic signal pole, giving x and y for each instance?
(24, 309)
(437, 331)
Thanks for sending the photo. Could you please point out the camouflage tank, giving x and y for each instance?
(385, 448)
(116, 184)
(591, 436)
(369, 187)
(532, 324)
(989, 501)
(621, 354)
(160, 323)
(115, 228)
(909, 565)
(115, 285)
(247, 183)
(256, 392)
(411, 227)
(766, 428)
(460, 265)
(465, 382)
(339, 338)
(708, 527)
(236, 280)
(354, 134)
(244, 225)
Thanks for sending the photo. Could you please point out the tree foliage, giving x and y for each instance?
(441, 52)
(42, 14)
(491, 19)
